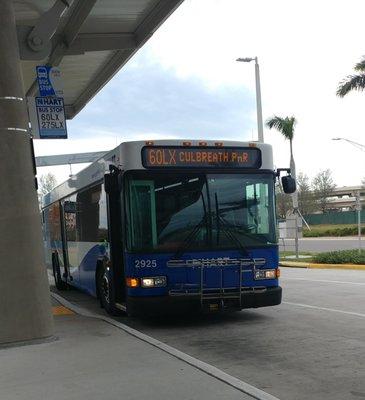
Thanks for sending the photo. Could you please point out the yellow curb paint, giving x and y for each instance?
(359, 267)
(293, 264)
(61, 310)
(337, 266)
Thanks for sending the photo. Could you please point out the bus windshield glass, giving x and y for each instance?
(166, 211)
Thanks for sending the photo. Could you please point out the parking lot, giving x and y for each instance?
(312, 346)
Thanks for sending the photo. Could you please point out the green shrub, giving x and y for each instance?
(343, 231)
(312, 234)
(340, 257)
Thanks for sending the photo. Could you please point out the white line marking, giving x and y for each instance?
(323, 280)
(201, 365)
(329, 238)
(325, 309)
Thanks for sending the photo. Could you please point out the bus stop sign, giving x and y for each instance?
(47, 116)
(47, 111)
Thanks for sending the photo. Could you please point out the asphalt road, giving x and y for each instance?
(322, 244)
(312, 346)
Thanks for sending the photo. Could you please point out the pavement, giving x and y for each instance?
(323, 244)
(91, 358)
(310, 347)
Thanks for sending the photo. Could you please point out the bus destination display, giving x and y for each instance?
(201, 157)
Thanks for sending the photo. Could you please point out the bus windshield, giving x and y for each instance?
(165, 211)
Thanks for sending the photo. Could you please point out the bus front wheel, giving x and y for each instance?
(105, 291)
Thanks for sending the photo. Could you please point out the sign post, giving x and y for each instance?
(358, 209)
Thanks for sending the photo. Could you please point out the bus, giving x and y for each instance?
(169, 225)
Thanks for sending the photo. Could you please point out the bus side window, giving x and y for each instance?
(103, 217)
(52, 231)
(86, 216)
(69, 208)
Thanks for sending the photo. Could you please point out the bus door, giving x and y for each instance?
(65, 273)
(69, 207)
(113, 186)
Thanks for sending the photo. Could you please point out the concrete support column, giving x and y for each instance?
(25, 310)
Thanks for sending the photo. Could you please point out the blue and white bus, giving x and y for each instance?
(169, 225)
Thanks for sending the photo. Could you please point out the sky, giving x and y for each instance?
(185, 83)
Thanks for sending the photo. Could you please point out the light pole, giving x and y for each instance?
(260, 128)
(357, 194)
(357, 145)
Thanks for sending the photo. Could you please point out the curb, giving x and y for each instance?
(294, 264)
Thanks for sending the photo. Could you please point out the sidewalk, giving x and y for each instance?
(92, 359)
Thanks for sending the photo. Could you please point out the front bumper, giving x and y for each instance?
(153, 305)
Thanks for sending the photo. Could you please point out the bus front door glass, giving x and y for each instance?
(143, 213)
(164, 211)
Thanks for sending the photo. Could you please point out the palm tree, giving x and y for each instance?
(353, 82)
(286, 127)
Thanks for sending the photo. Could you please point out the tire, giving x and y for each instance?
(105, 291)
(59, 283)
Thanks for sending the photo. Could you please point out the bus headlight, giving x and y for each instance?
(157, 281)
(265, 274)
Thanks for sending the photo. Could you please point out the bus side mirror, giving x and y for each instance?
(289, 184)
(111, 181)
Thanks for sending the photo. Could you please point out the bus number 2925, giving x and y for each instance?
(145, 263)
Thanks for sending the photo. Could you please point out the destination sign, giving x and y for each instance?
(201, 157)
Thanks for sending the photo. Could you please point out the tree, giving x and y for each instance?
(286, 127)
(306, 199)
(323, 186)
(46, 183)
(353, 82)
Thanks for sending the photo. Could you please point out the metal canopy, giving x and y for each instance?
(63, 159)
(90, 40)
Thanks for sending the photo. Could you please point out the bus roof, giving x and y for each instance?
(127, 156)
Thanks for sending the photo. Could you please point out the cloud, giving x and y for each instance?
(147, 98)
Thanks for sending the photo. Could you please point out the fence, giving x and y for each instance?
(344, 217)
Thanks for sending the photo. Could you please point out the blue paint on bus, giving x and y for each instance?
(190, 275)
(178, 276)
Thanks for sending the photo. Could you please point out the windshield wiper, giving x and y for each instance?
(189, 239)
(240, 230)
(222, 223)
